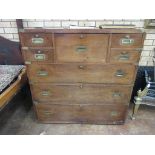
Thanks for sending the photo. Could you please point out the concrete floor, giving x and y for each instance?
(18, 119)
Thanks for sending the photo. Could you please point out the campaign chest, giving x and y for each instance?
(81, 75)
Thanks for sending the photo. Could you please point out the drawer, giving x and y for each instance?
(38, 55)
(81, 47)
(81, 93)
(36, 39)
(97, 114)
(124, 56)
(84, 73)
(127, 41)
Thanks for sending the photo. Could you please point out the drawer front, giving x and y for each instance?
(81, 47)
(36, 39)
(39, 55)
(98, 114)
(81, 93)
(70, 73)
(124, 56)
(127, 41)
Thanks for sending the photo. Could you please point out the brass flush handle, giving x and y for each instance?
(114, 113)
(45, 93)
(81, 67)
(116, 94)
(120, 73)
(124, 56)
(42, 73)
(127, 40)
(39, 57)
(48, 113)
(81, 48)
(37, 40)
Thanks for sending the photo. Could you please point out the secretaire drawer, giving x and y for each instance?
(82, 73)
(81, 47)
(38, 55)
(81, 93)
(36, 39)
(127, 41)
(98, 114)
(124, 56)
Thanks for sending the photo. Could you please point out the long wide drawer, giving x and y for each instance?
(97, 114)
(82, 73)
(81, 47)
(81, 93)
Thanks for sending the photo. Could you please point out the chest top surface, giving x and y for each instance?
(106, 30)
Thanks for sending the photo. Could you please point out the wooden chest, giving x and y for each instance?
(82, 75)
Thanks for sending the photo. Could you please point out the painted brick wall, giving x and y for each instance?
(8, 29)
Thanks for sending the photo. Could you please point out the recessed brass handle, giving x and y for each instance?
(116, 94)
(39, 57)
(42, 73)
(37, 40)
(120, 73)
(127, 40)
(81, 67)
(48, 113)
(114, 113)
(45, 93)
(81, 48)
(124, 56)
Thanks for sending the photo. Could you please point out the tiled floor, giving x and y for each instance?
(19, 119)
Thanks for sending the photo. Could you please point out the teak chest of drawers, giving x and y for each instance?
(81, 75)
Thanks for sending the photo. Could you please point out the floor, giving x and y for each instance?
(18, 118)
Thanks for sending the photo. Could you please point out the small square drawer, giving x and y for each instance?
(38, 55)
(36, 39)
(124, 56)
(127, 41)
